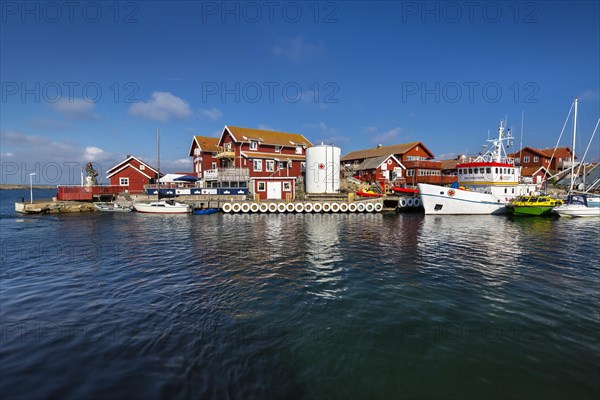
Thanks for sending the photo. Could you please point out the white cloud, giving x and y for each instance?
(163, 106)
(265, 127)
(325, 134)
(297, 49)
(590, 94)
(212, 114)
(446, 156)
(387, 137)
(75, 108)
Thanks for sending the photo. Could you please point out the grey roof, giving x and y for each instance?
(372, 163)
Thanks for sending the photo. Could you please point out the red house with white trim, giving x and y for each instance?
(381, 169)
(268, 163)
(204, 150)
(132, 174)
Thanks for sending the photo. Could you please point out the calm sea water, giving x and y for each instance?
(297, 306)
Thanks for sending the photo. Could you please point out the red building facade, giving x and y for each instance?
(132, 174)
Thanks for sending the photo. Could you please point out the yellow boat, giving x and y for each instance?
(534, 205)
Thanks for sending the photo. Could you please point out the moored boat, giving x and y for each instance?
(112, 207)
(163, 207)
(368, 193)
(486, 184)
(576, 205)
(534, 205)
(206, 211)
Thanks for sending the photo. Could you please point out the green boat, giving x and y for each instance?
(533, 205)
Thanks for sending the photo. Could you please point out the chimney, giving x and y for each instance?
(379, 145)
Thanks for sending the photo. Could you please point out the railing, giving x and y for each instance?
(566, 164)
(227, 174)
(426, 164)
(86, 192)
(226, 154)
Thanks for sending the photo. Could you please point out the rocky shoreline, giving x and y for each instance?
(9, 186)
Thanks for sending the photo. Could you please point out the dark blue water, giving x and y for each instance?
(297, 306)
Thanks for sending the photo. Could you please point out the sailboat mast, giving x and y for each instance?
(158, 157)
(573, 157)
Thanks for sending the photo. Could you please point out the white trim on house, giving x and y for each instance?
(132, 166)
(127, 160)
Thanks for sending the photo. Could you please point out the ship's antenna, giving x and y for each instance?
(521, 144)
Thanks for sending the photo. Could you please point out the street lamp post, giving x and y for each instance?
(31, 188)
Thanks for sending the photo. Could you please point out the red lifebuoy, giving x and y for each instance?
(451, 192)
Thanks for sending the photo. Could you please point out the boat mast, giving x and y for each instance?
(158, 156)
(573, 157)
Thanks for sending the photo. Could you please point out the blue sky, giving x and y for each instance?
(92, 81)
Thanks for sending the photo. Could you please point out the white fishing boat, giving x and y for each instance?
(163, 207)
(486, 184)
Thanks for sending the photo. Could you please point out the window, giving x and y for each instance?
(410, 172)
(253, 145)
(517, 160)
(277, 149)
(124, 181)
(213, 165)
(298, 149)
(269, 165)
(257, 165)
(536, 159)
(142, 167)
(261, 186)
(281, 165)
(470, 170)
(496, 170)
(287, 187)
(228, 146)
(526, 159)
(488, 170)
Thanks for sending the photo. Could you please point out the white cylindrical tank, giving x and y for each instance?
(323, 169)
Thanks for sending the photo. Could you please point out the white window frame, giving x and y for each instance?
(263, 184)
(257, 165)
(270, 165)
(536, 159)
(213, 165)
(526, 159)
(281, 165)
(123, 181)
(287, 186)
(298, 149)
(142, 167)
(253, 145)
(277, 149)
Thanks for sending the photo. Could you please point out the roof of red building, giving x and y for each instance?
(449, 164)
(120, 166)
(384, 151)
(531, 171)
(206, 143)
(268, 137)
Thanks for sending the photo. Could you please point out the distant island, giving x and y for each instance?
(11, 186)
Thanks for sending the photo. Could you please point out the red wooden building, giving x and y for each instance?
(132, 174)
(532, 157)
(268, 163)
(414, 157)
(382, 169)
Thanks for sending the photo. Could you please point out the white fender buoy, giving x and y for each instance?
(379, 207)
(254, 207)
(272, 207)
(417, 202)
(236, 207)
(281, 207)
(226, 207)
(263, 207)
(370, 207)
(245, 207)
(360, 207)
(326, 207)
(289, 207)
(299, 207)
(335, 207)
(352, 207)
(403, 203)
(308, 207)
(409, 202)
(344, 207)
(317, 207)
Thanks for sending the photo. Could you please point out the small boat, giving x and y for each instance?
(368, 193)
(112, 207)
(576, 205)
(206, 211)
(533, 205)
(163, 207)
(405, 190)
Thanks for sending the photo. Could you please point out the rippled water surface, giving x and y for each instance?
(297, 306)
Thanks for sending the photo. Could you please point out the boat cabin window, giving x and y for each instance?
(505, 190)
(488, 170)
(496, 170)
(470, 170)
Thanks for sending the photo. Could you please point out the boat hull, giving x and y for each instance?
(441, 200)
(111, 207)
(532, 210)
(574, 211)
(162, 208)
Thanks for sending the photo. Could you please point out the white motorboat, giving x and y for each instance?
(112, 207)
(163, 207)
